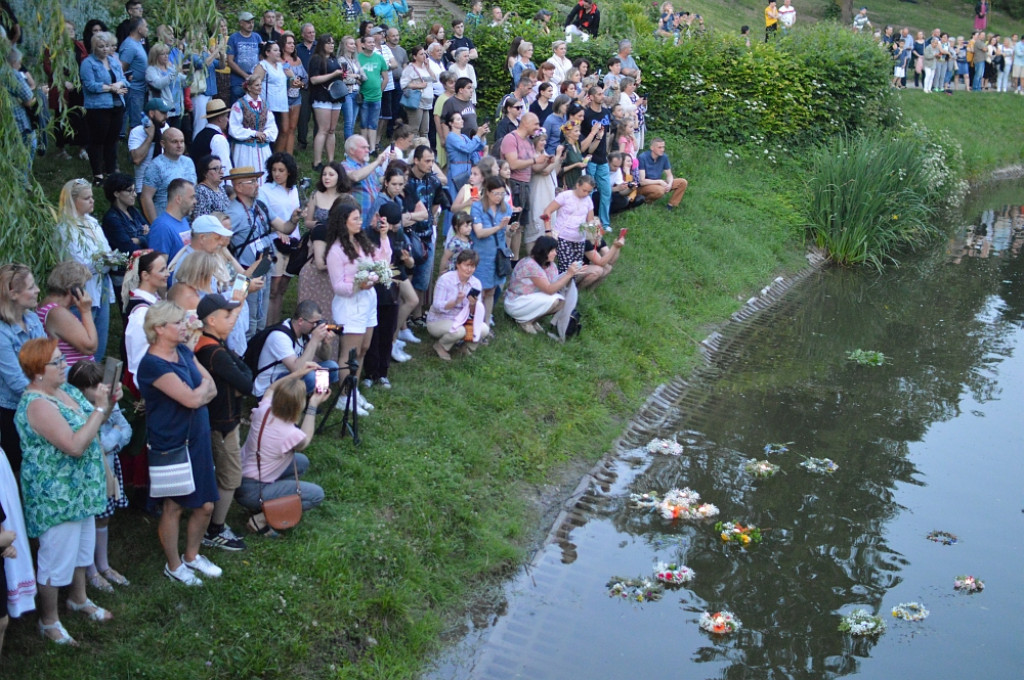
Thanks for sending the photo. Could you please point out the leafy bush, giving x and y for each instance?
(870, 196)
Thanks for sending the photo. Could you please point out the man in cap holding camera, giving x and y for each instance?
(292, 345)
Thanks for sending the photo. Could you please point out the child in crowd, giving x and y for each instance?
(114, 435)
(458, 240)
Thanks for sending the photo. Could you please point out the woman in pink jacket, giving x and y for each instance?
(355, 305)
(457, 313)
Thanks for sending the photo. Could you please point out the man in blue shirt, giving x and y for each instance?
(168, 166)
(243, 54)
(166, 233)
(132, 54)
(655, 176)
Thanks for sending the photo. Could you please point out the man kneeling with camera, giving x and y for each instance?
(288, 346)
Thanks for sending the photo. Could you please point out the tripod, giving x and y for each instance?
(349, 417)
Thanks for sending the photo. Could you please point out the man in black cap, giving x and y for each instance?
(233, 380)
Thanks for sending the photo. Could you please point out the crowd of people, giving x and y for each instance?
(428, 221)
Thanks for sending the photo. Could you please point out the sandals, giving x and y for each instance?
(64, 638)
(101, 584)
(116, 578)
(98, 613)
(257, 524)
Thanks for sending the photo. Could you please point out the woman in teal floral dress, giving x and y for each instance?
(63, 481)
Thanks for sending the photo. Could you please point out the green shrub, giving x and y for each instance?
(870, 196)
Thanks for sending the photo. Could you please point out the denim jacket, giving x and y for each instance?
(12, 380)
(94, 77)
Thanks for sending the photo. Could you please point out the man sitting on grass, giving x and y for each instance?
(655, 176)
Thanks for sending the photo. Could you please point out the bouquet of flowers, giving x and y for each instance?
(862, 624)
(673, 573)
(771, 448)
(373, 271)
(910, 611)
(638, 589)
(720, 623)
(968, 584)
(685, 504)
(760, 468)
(668, 447)
(734, 532)
(943, 537)
(866, 357)
(110, 261)
(825, 466)
(587, 228)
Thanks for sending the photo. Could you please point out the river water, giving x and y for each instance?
(931, 440)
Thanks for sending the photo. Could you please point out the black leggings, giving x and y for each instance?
(102, 129)
(378, 357)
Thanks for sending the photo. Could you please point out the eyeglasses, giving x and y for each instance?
(58, 361)
(517, 107)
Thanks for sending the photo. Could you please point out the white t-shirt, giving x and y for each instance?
(275, 87)
(787, 15)
(136, 138)
(277, 348)
(280, 202)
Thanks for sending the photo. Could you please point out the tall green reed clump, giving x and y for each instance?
(869, 197)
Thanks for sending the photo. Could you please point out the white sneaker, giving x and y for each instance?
(408, 336)
(203, 566)
(361, 412)
(182, 575)
(340, 406)
(398, 355)
(361, 401)
(367, 383)
(400, 344)
(384, 382)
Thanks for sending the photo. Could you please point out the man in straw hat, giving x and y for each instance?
(212, 139)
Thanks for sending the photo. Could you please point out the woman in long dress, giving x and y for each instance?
(252, 128)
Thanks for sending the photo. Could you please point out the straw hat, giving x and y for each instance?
(216, 107)
(244, 172)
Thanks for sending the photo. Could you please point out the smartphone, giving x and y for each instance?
(474, 192)
(239, 288)
(622, 233)
(76, 292)
(474, 292)
(112, 374)
(322, 380)
(266, 262)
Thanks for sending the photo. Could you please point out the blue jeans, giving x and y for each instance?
(248, 495)
(349, 108)
(133, 108)
(603, 178)
(421, 272)
(259, 303)
(979, 74)
(310, 378)
(369, 114)
(237, 92)
(101, 317)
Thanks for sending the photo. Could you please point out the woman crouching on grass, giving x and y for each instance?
(457, 313)
(535, 289)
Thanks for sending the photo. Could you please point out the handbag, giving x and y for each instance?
(417, 248)
(411, 98)
(198, 81)
(170, 472)
(502, 260)
(286, 511)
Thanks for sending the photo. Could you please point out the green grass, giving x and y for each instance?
(993, 143)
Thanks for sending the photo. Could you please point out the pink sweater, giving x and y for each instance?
(343, 270)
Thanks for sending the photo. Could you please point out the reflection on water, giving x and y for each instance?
(928, 441)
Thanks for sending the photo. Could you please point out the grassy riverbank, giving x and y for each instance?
(439, 500)
(433, 503)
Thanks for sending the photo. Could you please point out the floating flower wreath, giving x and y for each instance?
(825, 466)
(673, 574)
(943, 537)
(720, 623)
(734, 532)
(866, 357)
(639, 589)
(862, 623)
(685, 504)
(647, 501)
(666, 447)
(968, 584)
(910, 611)
(770, 449)
(760, 468)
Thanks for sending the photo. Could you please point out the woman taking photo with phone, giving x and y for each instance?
(282, 427)
(456, 313)
(76, 338)
(490, 218)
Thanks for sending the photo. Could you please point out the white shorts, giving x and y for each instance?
(899, 72)
(64, 547)
(329, 106)
(356, 313)
(1017, 71)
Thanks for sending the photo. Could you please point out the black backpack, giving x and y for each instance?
(575, 324)
(255, 347)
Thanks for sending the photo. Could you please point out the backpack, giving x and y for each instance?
(575, 324)
(300, 256)
(255, 347)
